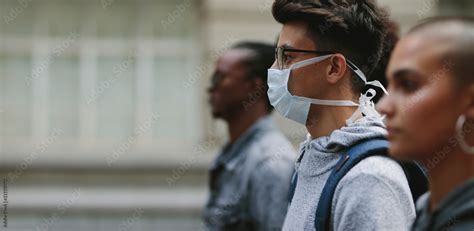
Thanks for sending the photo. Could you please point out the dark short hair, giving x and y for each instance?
(389, 42)
(261, 58)
(353, 28)
(460, 56)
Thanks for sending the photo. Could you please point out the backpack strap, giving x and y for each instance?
(294, 178)
(291, 191)
(353, 156)
(417, 178)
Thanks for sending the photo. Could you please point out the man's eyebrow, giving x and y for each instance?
(287, 46)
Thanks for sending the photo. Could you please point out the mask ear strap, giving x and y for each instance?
(325, 102)
(309, 61)
(366, 107)
(354, 117)
(365, 101)
(356, 70)
(377, 84)
(361, 75)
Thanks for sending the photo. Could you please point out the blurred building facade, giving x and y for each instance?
(104, 123)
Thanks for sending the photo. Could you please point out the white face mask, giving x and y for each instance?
(297, 108)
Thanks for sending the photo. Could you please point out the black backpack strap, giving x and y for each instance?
(415, 174)
(417, 178)
(294, 179)
(353, 156)
(291, 191)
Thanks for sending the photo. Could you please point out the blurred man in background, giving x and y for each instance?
(249, 179)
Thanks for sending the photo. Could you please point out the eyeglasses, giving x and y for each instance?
(282, 59)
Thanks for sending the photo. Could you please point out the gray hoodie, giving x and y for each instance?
(374, 195)
(455, 212)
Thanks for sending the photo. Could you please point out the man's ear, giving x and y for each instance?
(256, 83)
(470, 109)
(259, 84)
(337, 68)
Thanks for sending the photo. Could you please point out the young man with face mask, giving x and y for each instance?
(316, 81)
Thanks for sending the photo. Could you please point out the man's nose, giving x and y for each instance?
(274, 65)
(211, 88)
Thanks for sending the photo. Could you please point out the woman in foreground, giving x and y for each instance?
(430, 117)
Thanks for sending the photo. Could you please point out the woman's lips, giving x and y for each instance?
(392, 131)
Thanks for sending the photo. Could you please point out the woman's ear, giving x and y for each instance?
(470, 110)
(337, 68)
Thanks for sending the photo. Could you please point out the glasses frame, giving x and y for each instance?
(280, 52)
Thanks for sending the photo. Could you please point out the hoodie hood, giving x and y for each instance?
(455, 212)
(323, 153)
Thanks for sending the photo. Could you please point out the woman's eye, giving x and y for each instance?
(408, 85)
